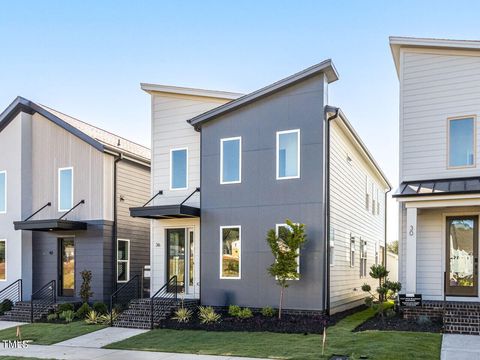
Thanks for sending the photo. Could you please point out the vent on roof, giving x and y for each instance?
(118, 142)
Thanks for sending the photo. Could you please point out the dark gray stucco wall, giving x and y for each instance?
(91, 253)
(261, 201)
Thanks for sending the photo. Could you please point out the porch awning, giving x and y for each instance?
(50, 225)
(165, 212)
(437, 187)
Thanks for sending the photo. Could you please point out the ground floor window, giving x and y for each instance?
(363, 258)
(123, 260)
(230, 252)
(3, 259)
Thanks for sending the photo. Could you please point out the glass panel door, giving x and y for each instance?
(462, 256)
(67, 267)
(176, 256)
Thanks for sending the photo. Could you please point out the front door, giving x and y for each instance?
(180, 258)
(66, 267)
(462, 256)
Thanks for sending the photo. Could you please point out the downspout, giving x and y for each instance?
(326, 226)
(115, 227)
(385, 228)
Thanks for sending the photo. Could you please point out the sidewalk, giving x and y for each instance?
(460, 347)
(101, 338)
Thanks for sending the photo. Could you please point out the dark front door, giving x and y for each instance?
(462, 256)
(66, 272)
(176, 256)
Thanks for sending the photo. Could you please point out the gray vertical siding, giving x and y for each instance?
(261, 201)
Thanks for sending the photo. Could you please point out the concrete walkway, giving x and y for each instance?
(81, 353)
(9, 324)
(460, 347)
(100, 338)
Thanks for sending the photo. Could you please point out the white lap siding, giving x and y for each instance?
(349, 216)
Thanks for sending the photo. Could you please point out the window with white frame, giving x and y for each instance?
(230, 252)
(288, 154)
(378, 202)
(281, 231)
(231, 160)
(352, 251)
(332, 247)
(363, 258)
(3, 192)
(3, 260)
(65, 189)
(376, 253)
(382, 254)
(123, 260)
(179, 169)
(367, 195)
(461, 142)
(374, 199)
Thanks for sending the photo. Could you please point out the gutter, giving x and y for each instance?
(118, 158)
(385, 228)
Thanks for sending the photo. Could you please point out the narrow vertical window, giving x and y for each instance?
(461, 142)
(352, 251)
(376, 253)
(332, 247)
(179, 169)
(230, 252)
(231, 160)
(65, 189)
(363, 258)
(282, 230)
(123, 260)
(3, 260)
(3, 192)
(288, 154)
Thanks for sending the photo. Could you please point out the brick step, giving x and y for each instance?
(461, 329)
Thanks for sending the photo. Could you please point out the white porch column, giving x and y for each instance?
(411, 251)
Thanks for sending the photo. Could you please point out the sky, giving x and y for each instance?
(88, 58)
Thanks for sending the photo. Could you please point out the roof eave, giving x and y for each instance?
(178, 90)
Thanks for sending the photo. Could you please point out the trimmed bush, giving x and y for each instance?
(207, 315)
(52, 317)
(68, 316)
(6, 305)
(83, 311)
(234, 310)
(268, 311)
(100, 307)
(65, 307)
(245, 313)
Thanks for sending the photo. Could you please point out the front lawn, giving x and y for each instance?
(49, 333)
(341, 340)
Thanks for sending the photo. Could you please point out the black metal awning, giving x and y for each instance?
(165, 212)
(50, 225)
(455, 186)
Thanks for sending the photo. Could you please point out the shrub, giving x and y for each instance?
(83, 311)
(52, 317)
(423, 320)
(182, 315)
(207, 315)
(65, 307)
(67, 315)
(100, 307)
(108, 318)
(234, 310)
(6, 305)
(245, 313)
(268, 311)
(86, 289)
(92, 317)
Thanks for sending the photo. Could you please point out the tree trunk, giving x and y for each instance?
(281, 303)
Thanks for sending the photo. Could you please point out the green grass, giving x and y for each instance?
(391, 345)
(49, 333)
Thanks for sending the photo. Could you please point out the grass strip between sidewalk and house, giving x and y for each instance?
(49, 333)
(392, 345)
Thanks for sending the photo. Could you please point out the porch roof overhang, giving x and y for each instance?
(438, 187)
(165, 212)
(50, 225)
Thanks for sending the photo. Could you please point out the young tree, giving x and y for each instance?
(385, 290)
(86, 289)
(285, 247)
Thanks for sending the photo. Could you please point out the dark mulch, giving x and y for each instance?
(295, 324)
(397, 323)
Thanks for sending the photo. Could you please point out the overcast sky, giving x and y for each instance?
(87, 58)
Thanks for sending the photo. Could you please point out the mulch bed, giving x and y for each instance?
(397, 323)
(294, 324)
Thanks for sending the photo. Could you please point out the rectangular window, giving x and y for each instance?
(363, 258)
(382, 255)
(288, 154)
(231, 160)
(179, 169)
(332, 247)
(65, 189)
(123, 260)
(230, 252)
(278, 229)
(376, 253)
(352, 251)
(3, 260)
(3, 192)
(461, 142)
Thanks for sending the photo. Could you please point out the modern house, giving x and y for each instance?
(226, 168)
(65, 190)
(439, 193)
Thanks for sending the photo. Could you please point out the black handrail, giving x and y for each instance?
(163, 299)
(13, 292)
(46, 296)
(124, 294)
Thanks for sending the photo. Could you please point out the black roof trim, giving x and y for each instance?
(165, 212)
(50, 225)
(438, 187)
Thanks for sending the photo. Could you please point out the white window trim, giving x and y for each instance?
(277, 226)
(350, 252)
(239, 181)
(332, 247)
(298, 154)
(240, 252)
(124, 261)
(6, 260)
(464, 117)
(5, 191)
(171, 168)
(59, 187)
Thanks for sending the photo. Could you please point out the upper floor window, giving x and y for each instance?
(65, 189)
(288, 154)
(3, 192)
(179, 169)
(231, 160)
(461, 142)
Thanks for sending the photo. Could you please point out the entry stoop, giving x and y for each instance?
(21, 312)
